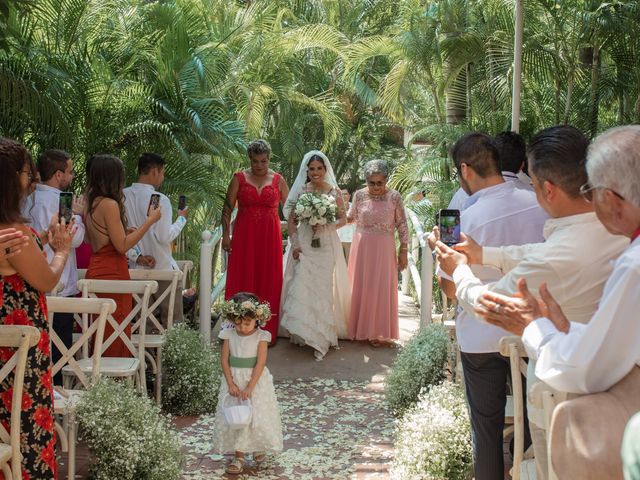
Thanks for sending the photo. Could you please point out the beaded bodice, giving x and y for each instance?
(381, 214)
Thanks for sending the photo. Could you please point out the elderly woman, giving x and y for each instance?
(255, 261)
(373, 262)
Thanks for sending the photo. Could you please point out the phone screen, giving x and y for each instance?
(449, 225)
(65, 206)
(182, 202)
(154, 202)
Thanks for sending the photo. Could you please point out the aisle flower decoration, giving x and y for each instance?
(316, 209)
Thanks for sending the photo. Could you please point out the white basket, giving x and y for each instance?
(237, 412)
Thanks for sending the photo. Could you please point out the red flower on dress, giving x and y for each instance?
(17, 317)
(43, 418)
(16, 282)
(48, 456)
(7, 398)
(46, 380)
(6, 353)
(42, 303)
(25, 475)
(27, 401)
(44, 344)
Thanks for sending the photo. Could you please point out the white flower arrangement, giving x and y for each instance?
(316, 209)
(230, 310)
(433, 439)
(191, 373)
(128, 437)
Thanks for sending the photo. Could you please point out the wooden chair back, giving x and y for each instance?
(22, 338)
(101, 308)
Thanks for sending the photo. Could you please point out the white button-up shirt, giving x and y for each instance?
(500, 215)
(157, 241)
(461, 199)
(592, 358)
(39, 209)
(575, 261)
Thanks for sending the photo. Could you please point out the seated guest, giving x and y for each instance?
(500, 214)
(574, 357)
(56, 175)
(155, 246)
(574, 260)
(25, 276)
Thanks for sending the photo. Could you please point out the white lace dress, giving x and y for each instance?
(316, 294)
(265, 432)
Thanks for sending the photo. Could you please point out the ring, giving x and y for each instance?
(7, 250)
(498, 308)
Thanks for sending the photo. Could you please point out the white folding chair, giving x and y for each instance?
(154, 341)
(185, 266)
(65, 400)
(21, 338)
(524, 467)
(130, 368)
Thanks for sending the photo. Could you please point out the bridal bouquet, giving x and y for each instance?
(316, 210)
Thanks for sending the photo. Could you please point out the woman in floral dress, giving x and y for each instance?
(24, 277)
(373, 263)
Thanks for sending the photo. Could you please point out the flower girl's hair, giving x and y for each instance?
(245, 304)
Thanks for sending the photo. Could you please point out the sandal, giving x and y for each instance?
(259, 457)
(235, 466)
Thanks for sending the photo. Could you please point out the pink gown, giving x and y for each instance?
(373, 268)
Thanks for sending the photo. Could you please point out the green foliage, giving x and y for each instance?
(128, 437)
(419, 364)
(433, 438)
(192, 373)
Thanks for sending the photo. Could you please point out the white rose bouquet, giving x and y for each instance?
(316, 209)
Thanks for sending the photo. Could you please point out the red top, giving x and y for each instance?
(255, 263)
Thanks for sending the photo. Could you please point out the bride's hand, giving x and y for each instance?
(296, 253)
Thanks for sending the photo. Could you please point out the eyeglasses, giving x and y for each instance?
(586, 191)
(376, 184)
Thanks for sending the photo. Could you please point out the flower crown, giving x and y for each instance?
(231, 310)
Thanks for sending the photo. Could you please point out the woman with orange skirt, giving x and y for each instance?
(106, 227)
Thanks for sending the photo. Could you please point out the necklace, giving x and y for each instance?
(377, 198)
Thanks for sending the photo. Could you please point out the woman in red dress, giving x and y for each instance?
(255, 260)
(107, 233)
(25, 275)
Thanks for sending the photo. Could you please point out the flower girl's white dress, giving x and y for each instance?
(264, 434)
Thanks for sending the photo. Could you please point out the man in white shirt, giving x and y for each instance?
(157, 243)
(512, 150)
(56, 174)
(500, 214)
(574, 261)
(591, 358)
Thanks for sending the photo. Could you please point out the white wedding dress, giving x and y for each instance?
(316, 295)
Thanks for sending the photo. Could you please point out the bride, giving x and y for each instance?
(316, 295)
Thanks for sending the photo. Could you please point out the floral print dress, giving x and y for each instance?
(21, 304)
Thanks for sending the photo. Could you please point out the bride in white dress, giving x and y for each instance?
(316, 295)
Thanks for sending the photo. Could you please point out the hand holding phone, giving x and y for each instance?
(65, 207)
(154, 203)
(182, 202)
(449, 226)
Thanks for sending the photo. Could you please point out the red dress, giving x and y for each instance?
(255, 263)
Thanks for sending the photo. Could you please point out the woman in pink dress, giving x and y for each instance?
(373, 264)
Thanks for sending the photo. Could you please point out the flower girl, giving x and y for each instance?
(243, 358)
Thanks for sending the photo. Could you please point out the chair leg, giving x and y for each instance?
(71, 439)
(159, 377)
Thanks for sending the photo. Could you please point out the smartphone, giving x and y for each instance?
(154, 202)
(65, 207)
(182, 202)
(449, 225)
